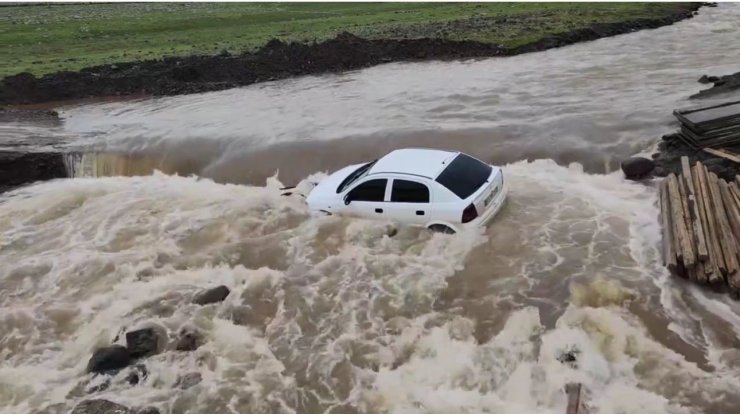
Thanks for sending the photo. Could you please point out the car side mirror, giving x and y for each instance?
(347, 200)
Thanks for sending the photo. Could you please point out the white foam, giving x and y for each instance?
(327, 311)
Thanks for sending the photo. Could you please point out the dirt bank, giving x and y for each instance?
(18, 168)
(34, 116)
(671, 149)
(278, 60)
(720, 85)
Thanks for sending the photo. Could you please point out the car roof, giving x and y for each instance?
(422, 162)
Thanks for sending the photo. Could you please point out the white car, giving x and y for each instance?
(441, 190)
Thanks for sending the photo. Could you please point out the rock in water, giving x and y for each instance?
(636, 168)
(142, 342)
(137, 374)
(100, 407)
(188, 380)
(189, 341)
(148, 410)
(217, 294)
(109, 359)
(708, 79)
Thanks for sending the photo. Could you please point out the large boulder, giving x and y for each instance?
(109, 359)
(142, 342)
(217, 294)
(100, 407)
(637, 168)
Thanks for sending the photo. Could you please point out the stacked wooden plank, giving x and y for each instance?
(710, 127)
(700, 217)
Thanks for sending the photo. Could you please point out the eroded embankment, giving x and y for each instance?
(278, 60)
(19, 168)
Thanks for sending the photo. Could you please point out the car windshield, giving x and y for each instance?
(464, 175)
(355, 175)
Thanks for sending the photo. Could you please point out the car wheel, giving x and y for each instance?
(441, 228)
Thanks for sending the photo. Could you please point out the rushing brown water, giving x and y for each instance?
(332, 315)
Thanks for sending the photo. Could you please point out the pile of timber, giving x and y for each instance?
(710, 127)
(700, 216)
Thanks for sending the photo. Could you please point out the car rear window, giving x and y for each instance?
(409, 192)
(464, 175)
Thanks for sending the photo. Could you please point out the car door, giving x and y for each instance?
(410, 201)
(366, 199)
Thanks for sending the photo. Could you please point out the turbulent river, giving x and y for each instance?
(327, 314)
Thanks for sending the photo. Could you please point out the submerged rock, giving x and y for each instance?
(109, 359)
(58, 408)
(636, 168)
(189, 340)
(100, 407)
(188, 380)
(137, 374)
(569, 358)
(142, 342)
(217, 294)
(148, 410)
(99, 387)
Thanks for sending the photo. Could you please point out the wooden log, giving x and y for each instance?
(724, 154)
(729, 249)
(669, 246)
(695, 222)
(676, 245)
(735, 190)
(698, 273)
(687, 220)
(710, 266)
(679, 223)
(731, 208)
(575, 404)
(718, 261)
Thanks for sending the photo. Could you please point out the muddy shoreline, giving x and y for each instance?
(671, 148)
(279, 60)
(720, 85)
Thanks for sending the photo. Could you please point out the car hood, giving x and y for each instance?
(327, 188)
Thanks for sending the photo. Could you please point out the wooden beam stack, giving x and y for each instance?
(700, 217)
(711, 127)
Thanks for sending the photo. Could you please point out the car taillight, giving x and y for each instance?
(469, 214)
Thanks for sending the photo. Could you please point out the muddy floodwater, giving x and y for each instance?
(332, 315)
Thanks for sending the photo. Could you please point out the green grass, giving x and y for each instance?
(44, 38)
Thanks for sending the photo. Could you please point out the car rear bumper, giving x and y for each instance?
(492, 209)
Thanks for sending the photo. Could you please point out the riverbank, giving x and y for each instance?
(468, 31)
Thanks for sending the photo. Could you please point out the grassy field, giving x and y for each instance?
(44, 38)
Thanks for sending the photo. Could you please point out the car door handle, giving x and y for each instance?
(378, 210)
(419, 212)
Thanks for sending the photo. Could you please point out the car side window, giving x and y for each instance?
(409, 192)
(371, 190)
